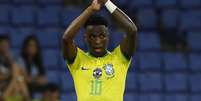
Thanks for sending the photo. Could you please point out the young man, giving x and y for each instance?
(99, 75)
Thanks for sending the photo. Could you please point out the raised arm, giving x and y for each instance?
(69, 47)
(128, 44)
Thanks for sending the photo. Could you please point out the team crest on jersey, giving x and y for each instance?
(97, 73)
(109, 70)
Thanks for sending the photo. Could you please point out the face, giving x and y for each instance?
(97, 38)
(31, 48)
(4, 47)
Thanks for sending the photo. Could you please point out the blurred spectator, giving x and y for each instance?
(12, 84)
(50, 93)
(32, 60)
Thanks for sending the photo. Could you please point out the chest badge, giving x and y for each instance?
(109, 70)
(97, 73)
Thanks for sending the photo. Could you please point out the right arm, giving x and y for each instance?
(68, 44)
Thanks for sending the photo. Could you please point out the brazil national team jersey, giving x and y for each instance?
(99, 79)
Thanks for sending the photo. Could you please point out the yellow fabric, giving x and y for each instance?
(105, 88)
(14, 98)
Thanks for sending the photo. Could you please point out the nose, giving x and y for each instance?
(97, 40)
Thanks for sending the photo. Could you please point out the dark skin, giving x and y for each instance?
(97, 37)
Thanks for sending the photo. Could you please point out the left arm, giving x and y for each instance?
(128, 44)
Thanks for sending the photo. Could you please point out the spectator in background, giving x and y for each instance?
(12, 78)
(32, 60)
(50, 93)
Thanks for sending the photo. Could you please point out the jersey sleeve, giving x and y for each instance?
(120, 56)
(76, 64)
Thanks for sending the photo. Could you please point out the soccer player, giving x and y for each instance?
(99, 75)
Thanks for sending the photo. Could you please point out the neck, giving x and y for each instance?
(102, 54)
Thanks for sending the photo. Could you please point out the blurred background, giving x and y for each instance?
(166, 66)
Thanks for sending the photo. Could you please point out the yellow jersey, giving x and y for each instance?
(99, 78)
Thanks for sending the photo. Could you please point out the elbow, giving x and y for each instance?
(132, 28)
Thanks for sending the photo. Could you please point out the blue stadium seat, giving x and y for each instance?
(50, 58)
(141, 3)
(17, 38)
(80, 40)
(147, 18)
(49, 37)
(131, 81)
(4, 12)
(69, 14)
(176, 97)
(5, 1)
(130, 97)
(148, 40)
(149, 60)
(48, 16)
(150, 82)
(24, 1)
(68, 96)
(150, 97)
(195, 97)
(195, 63)
(5, 30)
(115, 38)
(176, 82)
(190, 20)
(49, 2)
(53, 76)
(170, 18)
(190, 3)
(166, 3)
(175, 62)
(195, 83)
(194, 41)
(67, 82)
(23, 15)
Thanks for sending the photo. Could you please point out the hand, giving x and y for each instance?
(102, 1)
(96, 5)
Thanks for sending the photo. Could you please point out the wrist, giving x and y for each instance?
(111, 7)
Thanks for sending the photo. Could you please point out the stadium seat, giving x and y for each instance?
(17, 38)
(5, 1)
(147, 18)
(115, 38)
(48, 16)
(193, 39)
(130, 97)
(150, 97)
(190, 3)
(141, 4)
(150, 82)
(170, 18)
(195, 97)
(176, 97)
(131, 81)
(121, 2)
(68, 96)
(23, 15)
(149, 60)
(50, 58)
(4, 12)
(50, 2)
(176, 82)
(53, 76)
(148, 41)
(195, 83)
(175, 62)
(195, 63)
(24, 2)
(190, 20)
(49, 37)
(80, 40)
(166, 3)
(69, 14)
(5, 30)
(67, 82)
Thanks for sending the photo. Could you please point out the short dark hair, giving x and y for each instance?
(96, 20)
(4, 37)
